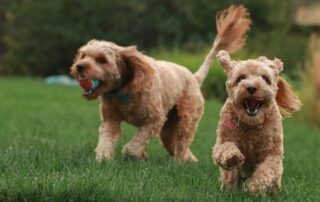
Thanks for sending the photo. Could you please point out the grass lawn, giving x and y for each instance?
(48, 135)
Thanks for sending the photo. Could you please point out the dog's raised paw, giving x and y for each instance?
(231, 160)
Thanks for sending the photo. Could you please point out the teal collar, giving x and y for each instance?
(124, 98)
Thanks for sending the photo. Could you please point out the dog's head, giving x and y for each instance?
(254, 86)
(117, 68)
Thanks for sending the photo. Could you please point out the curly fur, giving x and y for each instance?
(156, 88)
(165, 97)
(254, 149)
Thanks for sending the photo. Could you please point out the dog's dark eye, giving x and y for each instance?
(82, 56)
(101, 60)
(240, 78)
(266, 79)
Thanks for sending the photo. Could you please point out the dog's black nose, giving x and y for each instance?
(252, 90)
(80, 68)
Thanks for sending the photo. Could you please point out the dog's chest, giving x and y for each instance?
(133, 114)
(255, 144)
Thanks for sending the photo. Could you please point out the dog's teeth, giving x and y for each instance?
(88, 92)
(252, 113)
(258, 105)
(247, 106)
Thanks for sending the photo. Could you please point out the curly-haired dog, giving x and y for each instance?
(249, 135)
(158, 97)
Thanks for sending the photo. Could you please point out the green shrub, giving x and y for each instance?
(41, 37)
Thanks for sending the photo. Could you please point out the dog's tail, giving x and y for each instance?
(232, 25)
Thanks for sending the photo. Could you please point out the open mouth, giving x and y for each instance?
(90, 87)
(252, 105)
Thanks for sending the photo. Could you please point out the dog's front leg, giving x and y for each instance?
(228, 156)
(109, 133)
(141, 139)
(267, 176)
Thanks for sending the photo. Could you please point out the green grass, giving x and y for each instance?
(47, 140)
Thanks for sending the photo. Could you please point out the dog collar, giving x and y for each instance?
(124, 98)
(233, 124)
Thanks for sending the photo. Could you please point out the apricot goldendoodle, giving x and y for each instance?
(158, 97)
(250, 135)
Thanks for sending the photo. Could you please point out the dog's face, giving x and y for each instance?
(252, 85)
(97, 60)
(114, 66)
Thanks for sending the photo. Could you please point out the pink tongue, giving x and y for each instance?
(252, 103)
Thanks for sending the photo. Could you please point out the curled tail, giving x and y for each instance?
(232, 25)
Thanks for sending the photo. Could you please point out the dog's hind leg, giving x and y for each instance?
(178, 134)
(141, 139)
(169, 130)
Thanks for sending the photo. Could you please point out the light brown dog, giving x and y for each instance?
(250, 135)
(158, 97)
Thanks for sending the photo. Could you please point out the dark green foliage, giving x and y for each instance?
(41, 37)
(2, 21)
(47, 140)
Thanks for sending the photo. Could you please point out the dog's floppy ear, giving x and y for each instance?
(287, 101)
(138, 66)
(225, 61)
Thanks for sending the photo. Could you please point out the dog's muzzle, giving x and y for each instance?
(252, 105)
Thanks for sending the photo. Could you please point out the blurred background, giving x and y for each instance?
(40, 38)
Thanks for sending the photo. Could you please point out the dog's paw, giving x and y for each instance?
(256, 188)
(230, 160)
(103, 154)
(260, 184)
(129, 150)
